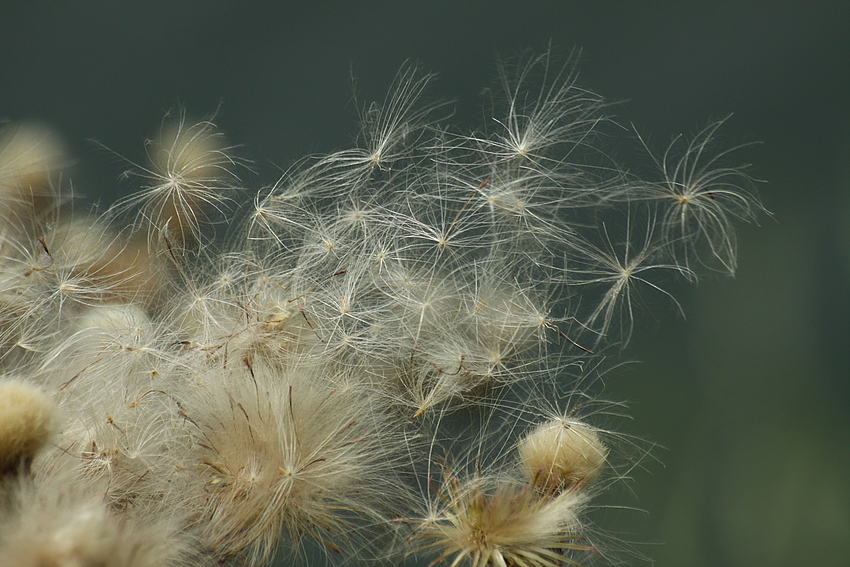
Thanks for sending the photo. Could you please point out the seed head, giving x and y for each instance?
(27, 420)
(562, 454)
(498, 522)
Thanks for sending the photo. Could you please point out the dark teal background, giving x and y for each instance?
(750, 397)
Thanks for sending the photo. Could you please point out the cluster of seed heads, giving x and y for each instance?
(387, 359)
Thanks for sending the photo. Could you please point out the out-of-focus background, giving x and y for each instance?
(749, 397)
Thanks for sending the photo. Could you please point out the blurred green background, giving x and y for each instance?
(749, 397)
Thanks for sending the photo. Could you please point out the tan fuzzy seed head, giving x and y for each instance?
(561, 454)
(60, 524)
(190, 168)
(31, 156)
(120, 268)
(491, 522)
(27, 418)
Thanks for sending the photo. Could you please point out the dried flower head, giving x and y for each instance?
(487, 522)
(284, 454)
(188, 177)
(27, 420)
(62, 523)
(562, 454)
